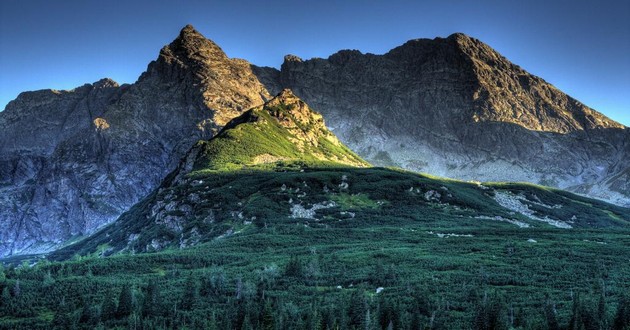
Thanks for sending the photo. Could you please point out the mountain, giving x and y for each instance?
(274, 223)
(278, 163)
(454, 107)
(73, 161)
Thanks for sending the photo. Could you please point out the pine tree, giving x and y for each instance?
(17, 290)
(125, 302)
(191, 293)
(550, 316)
(247, 324)
(108, 310)
(602, 322)
(5, 301)
(489, 312)
(268, 321)
(576, 316)
(89, 313)
(150, 305)
(294, 267)
(622, 316)
(357, 309)
(212, 325)
(63, 316)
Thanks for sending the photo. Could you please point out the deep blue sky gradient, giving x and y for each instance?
(582, 47)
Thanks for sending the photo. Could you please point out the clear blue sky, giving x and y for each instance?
(582, 47)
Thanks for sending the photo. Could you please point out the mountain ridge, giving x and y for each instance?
(101, 149)
(458, 116)
(278, 164)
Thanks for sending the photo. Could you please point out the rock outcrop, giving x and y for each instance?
(454, 107)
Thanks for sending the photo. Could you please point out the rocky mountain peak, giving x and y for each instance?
(105, 83)
(193, 44)
(292, 58)
(190, 52)
(213, 82)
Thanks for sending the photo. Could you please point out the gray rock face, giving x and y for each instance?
(73, 161)
(454, 107)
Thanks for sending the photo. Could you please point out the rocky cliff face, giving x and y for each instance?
(455, 107)
(73, 161)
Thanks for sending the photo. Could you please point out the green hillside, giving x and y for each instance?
(284, 129)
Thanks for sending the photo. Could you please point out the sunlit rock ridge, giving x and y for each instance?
(73, 161)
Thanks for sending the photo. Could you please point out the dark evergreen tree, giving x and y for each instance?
(576, 315)
(212, 323)
(151, 302)
(5, 302)
(268, 321)
(63, 318)
(488, 313)
(125, 302)
(191, 293)
(551, 316)
(247, 324)
(293, 267)
(357, 307)
(622, 316)
(90, 313)
(378, 274)
(17, 290)
(108, 310)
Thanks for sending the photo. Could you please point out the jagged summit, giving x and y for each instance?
(225, 87)
(292, 58)
(105, 83)
(194, 45)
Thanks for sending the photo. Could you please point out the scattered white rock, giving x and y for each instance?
(515, 203)
(299, 211)
(532, 240)
(441, 235)
(520, 224)
(432, 196)
(598, 242)
(379, 289)
(226, 234)
(339, 287)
